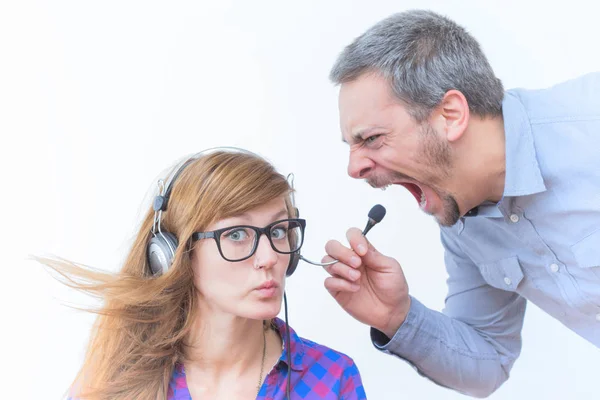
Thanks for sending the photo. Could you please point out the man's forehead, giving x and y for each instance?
(361, 115)
(373, 87)
(363, 97)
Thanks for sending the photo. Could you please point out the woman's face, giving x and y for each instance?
(251, 288)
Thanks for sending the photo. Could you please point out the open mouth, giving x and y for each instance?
(417, 192)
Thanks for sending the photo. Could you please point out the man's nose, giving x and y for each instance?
(359, 166)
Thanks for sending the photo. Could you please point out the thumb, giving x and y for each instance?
(375, 260)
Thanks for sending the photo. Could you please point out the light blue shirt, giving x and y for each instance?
(540, 243)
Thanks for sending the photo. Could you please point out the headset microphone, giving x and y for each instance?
(376, 214)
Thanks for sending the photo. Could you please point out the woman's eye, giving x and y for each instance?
(278, 233)
(237, 235)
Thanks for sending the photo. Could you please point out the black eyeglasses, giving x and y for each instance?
(238, 243)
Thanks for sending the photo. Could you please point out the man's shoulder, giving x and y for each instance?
(571, 99)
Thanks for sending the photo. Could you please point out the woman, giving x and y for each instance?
(192, 314)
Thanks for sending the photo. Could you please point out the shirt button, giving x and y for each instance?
(554, 267)
(514, 218)
(507, 281)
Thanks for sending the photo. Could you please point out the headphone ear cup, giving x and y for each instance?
(294, 260)
(161, 251)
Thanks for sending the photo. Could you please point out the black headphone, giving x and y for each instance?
(162, 246)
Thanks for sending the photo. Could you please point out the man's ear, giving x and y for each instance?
(454, 114)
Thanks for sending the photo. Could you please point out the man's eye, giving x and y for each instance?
(371, 139)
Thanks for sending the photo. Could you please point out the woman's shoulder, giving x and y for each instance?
(322, 369)
(316, 350)
(311, 352)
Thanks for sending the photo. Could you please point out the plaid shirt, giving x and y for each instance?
(318, 372)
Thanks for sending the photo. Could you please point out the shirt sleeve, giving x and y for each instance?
(471, 346)
(351, 384)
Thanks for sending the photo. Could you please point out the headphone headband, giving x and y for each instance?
(161, 201)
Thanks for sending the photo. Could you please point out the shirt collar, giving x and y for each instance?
(296, 346)
(523, 176)
(522, 172)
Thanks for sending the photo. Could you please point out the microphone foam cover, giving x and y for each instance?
(377, 213)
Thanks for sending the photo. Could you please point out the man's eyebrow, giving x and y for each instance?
(358, 136)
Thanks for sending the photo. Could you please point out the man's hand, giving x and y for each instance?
(368, 285)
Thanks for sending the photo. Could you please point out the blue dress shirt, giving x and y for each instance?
(539, 243)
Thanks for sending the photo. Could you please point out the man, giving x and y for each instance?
(513, 179)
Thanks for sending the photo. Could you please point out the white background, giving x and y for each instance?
(98, 99)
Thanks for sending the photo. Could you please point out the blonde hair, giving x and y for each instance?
(139, 333)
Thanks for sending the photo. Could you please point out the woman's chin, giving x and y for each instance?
(266, 311)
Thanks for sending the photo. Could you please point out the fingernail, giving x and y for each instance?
(354, 274)
(354, 286)
(362, 249)
(355, 261)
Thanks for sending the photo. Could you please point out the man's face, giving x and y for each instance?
(387, 147)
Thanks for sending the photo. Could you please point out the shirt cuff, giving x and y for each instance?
(412, 340)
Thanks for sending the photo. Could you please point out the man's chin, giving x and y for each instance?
(446, 220)
(450, 212)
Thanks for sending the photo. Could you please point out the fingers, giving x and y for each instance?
(361, 252)
(342, 253)
(341, 270)
(374, 259)
(357, 241)
(336, 285)
(369, 254)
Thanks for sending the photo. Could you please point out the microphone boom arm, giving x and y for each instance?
(375, 216)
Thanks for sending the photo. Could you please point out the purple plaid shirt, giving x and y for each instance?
(318, 372)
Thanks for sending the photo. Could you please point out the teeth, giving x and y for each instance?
(423, 199)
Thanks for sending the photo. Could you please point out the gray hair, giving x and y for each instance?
(423, 55)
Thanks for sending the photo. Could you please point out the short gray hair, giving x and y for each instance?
(423, 55)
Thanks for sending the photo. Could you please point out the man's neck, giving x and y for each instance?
(481, 162)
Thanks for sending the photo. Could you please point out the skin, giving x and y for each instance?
(227, 344)
(451, 162)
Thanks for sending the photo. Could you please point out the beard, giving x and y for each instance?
(450, 212)
(437, 157)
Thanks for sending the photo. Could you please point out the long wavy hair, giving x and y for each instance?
(139, 334)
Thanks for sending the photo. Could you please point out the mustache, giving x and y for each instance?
(384, 180)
